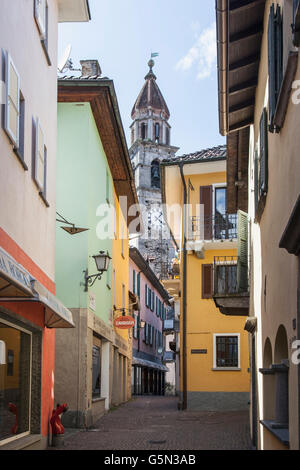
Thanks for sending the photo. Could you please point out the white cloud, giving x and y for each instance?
(203, 53)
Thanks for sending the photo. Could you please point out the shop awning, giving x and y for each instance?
(152, 365)
(17, 285)
(15, 281)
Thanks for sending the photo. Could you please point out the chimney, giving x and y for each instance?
(90, 68)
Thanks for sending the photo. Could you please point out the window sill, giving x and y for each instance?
(42, 196)
(22, 442)
(20, 158)
(282, 434)
(217, 369)
(45, 49)
(97, 400)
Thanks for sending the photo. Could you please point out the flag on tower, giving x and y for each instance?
(154, 54)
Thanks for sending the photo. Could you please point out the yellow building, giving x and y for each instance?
(214, 357)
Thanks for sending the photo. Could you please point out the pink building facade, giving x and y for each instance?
(148, 341)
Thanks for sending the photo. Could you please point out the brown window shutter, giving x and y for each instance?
(206, 200)
(207, 281)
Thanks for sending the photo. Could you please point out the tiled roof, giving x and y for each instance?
(150, 97)
(212, 154)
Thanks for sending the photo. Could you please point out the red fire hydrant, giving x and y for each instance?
(14, 410)
(58, 431)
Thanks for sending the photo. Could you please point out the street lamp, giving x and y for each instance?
(102, 263)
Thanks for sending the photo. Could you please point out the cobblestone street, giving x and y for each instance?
(154, 423)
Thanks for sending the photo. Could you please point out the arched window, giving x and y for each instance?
(167, 136)
(157, 132)
(155, 174)
(143, 131)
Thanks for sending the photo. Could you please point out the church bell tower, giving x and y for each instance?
(150, 144)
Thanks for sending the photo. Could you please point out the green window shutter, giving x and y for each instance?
(272, 66)
(263, 167)
(146, 295)
(242, 266)
(133, 283)
(138, 281)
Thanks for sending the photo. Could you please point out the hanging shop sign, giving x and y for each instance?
(124, 323)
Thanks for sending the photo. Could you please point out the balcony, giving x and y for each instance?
(171, 326)
(216, 232)
(231, 290)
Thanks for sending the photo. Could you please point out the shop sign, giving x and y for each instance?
(124, 323)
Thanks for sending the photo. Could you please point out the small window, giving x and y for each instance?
(155, 174)
(226, 351)
(12, 108)
(143, 131)
(157, 132)
(167, 136)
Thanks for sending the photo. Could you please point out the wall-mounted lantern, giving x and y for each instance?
(102, 263)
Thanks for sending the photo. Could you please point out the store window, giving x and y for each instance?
(96, 379)
(15, 372)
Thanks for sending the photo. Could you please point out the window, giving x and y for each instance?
(40, 160)
(157, 132)
(226, 278)
(261, 166)
(15, 372)
(12, 108)
(143, 131)
(167, 136)
(41, 14)
(226, 351)
(155, 174)
(275, 60)
(96, 377)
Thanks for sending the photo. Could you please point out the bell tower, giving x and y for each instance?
(150, 144)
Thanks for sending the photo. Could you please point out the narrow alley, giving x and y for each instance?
(154, 423)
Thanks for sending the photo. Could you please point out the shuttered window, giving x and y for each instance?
(138, 287)
(40, 157)
(146, 295)
(207, 281)
(242, 267)
(133, 281)
(206, 201)
(40, 14)
(275, 54)
(12, 107)
(263, 156)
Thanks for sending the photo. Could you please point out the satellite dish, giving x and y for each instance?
(63, 63)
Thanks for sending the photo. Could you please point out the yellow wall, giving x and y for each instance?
(120, 264)
(204, 318)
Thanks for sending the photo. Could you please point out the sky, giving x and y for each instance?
(123, 33)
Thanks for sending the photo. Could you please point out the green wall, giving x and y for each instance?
(81, 187)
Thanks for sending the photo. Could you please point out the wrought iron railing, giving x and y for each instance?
(230, 275)
(217, 227)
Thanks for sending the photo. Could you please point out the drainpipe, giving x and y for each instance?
(184, 358)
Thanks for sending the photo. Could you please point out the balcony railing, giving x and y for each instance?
(217, 227)
(230, 275)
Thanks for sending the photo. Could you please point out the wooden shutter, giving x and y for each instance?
(207, 281)
(263, 168)
(133, 281)
(12, 105)
(272, 66)
(206, 201)
(256, 189)
(138, 281)
(242, 266)
(146, 295)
